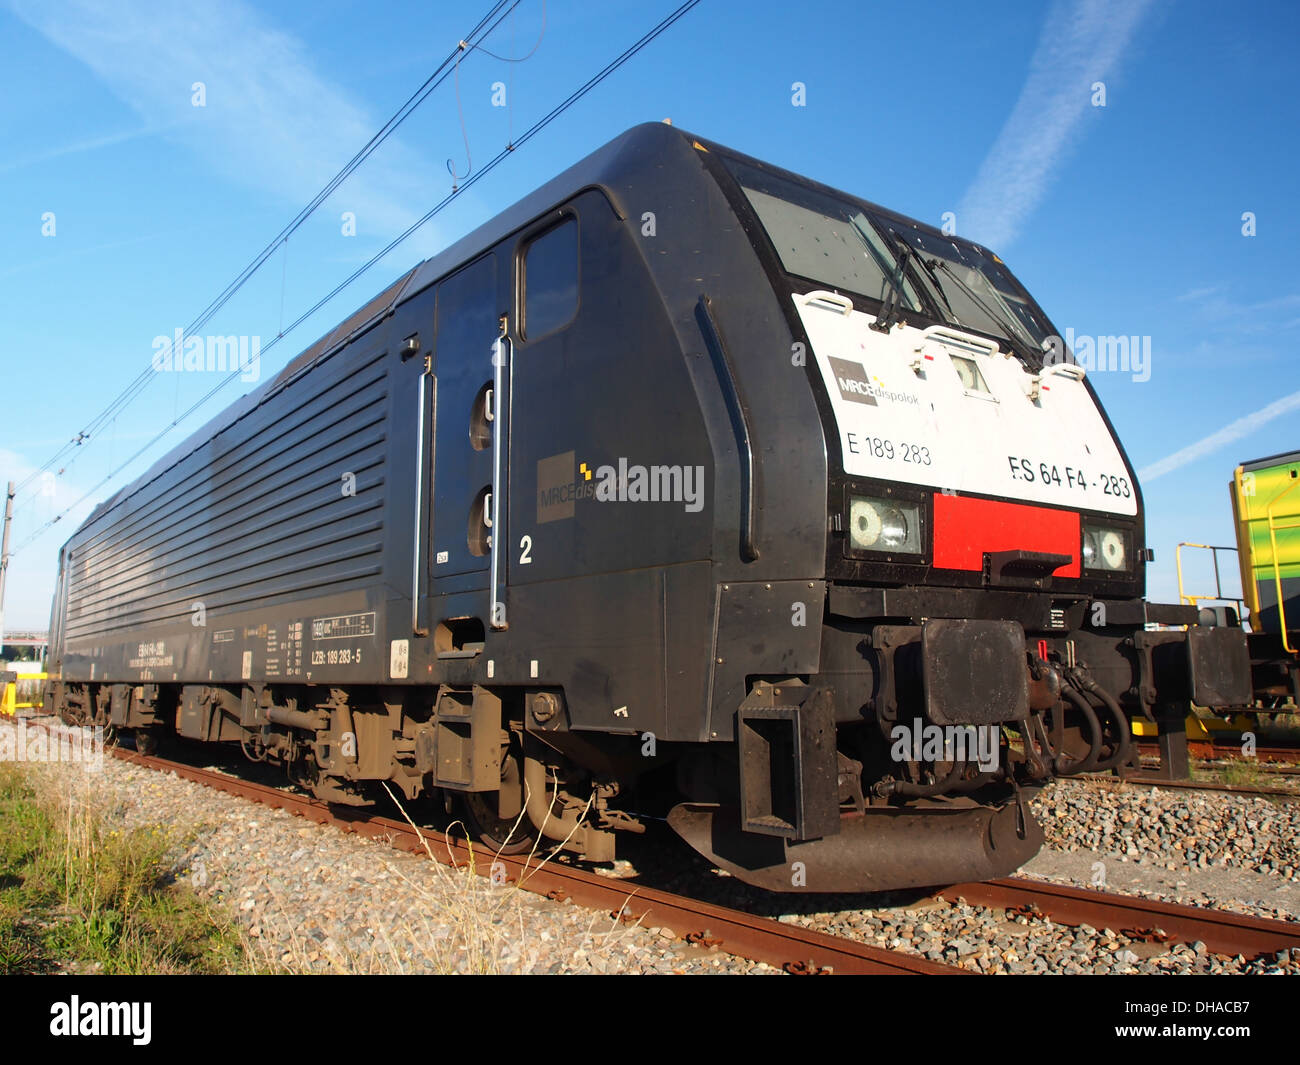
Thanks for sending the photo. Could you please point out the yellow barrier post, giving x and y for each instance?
(37, 701)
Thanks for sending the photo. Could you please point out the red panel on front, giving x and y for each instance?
(964, 529)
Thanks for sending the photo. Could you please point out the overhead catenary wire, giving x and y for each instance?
(465, 46)
(591, 83)
(485, 26)
(510, 107)
(526, 56)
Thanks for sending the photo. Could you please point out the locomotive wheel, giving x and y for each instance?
(75, 710)
(482, 809)
(502, 834)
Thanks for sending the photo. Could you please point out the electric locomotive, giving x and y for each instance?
(686, 487)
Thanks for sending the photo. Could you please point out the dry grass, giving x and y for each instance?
(78, 893)
(111, 899)
(464, 922)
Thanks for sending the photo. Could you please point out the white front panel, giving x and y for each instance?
(904, 414)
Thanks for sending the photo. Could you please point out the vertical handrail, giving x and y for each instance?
(419, 507)
(500, 364)
(1277, 567)
(1218, 596)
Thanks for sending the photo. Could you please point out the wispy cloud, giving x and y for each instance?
(78, 253)
(1081, 43)
(1219, 313)
(1199, 293)
(1230, 433)
(271, 121)
(88, 144)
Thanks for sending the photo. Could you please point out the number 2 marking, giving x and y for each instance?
(525, 550)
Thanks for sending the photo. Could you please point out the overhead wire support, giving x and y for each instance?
(591, 83)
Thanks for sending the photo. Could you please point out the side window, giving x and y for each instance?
(550, 279)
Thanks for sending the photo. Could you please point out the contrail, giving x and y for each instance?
(1231, 432)
(1082, 42)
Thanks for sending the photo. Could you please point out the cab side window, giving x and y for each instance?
(550, 280)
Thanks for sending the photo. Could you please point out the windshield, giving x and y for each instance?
(823, 239)
(975, 290)
(842, 246)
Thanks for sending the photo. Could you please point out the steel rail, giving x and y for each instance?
(789, 947)
(1195, 785)
(1206, 751)
(1138, 918)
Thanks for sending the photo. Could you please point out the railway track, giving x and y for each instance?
(789, 947)
(1137, 918)
(1195, 785)
(1210, 751)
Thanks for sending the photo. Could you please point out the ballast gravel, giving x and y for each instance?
(1174, 828)
(1170, 831)
(313, 898)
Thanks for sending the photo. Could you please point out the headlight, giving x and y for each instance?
(884, 525)
(1105, 548)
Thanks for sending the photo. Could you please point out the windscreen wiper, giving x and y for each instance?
(889, 313)
(1008, 319)
(929, 265)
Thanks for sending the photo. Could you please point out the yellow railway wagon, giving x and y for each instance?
(1266, 511)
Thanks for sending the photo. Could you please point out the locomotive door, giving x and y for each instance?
(466, 451)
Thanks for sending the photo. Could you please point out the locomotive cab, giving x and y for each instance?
(984, 628)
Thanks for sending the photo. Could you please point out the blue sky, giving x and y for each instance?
(1125, 219)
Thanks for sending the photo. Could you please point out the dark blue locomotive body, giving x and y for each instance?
(683, 470)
